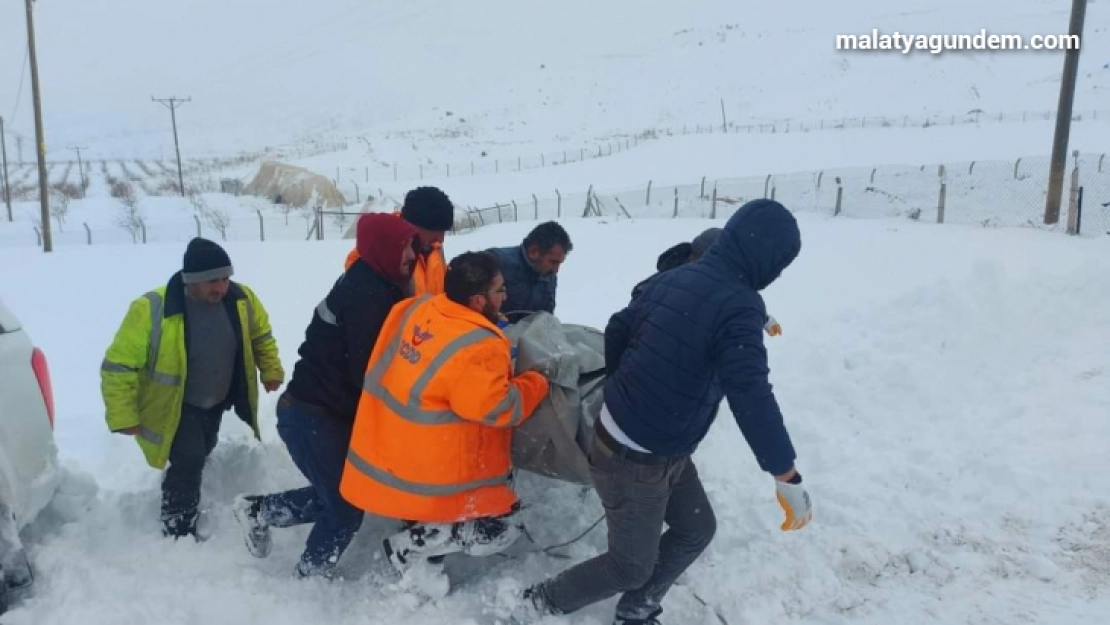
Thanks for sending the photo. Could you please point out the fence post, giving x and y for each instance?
(820, 175)
(559, 206)
(873, 174)
(142, 224)
(702, 194)
(421, 171)
(88, 233)
(38, 236)
(536, 204)
(713, 204)
(261, 226)
(516, 217)
(1079, 212)
(971, 168)
(675, 216)
(940, 203)
(367, 174)
(766, 185)
(647, 200)
(1073, 198)
(499, 218)
(448, 170)
(1100, 158)
(519, 161)
(940, 171)
(839, 197)
(772, 193)
(197, 219)
(1017, 163)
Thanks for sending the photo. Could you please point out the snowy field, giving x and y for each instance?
(945, 386)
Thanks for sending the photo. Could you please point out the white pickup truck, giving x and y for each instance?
(29, 472)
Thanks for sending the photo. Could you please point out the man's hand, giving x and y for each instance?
(131, 431)
(271, 385)
(794, 500)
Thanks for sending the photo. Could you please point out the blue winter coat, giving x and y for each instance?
(526, 290)
(695, 337)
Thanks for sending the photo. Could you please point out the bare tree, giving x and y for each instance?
(61, 193)
(59, 208)
(217, 218)
(130, 215)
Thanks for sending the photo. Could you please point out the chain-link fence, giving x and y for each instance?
(983, 193)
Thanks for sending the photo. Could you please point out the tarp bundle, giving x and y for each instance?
(553, 442)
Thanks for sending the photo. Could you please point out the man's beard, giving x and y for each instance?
(489, 311)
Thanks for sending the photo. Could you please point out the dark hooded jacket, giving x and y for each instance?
(346, 323)
(695, 337)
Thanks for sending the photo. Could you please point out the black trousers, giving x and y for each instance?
(195, 439)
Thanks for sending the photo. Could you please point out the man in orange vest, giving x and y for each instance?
(433, 214)
(433, 432)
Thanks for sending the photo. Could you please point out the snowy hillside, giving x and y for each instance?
(451, 80)
(945, 388)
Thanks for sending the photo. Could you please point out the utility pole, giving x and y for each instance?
(1063, 116)
(80, 166)
(171, 103)
(40, 139)
(19, 148)
(7, 183)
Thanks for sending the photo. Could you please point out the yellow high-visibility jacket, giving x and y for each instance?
(142, 377)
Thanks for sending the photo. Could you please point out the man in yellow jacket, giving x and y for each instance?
(432, 437)
(433, 214)
(184, 354)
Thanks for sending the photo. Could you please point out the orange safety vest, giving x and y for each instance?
(433, 431)
(428, 274)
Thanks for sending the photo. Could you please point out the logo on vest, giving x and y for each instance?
(409, 349)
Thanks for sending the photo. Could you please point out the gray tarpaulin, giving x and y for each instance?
(553, 441)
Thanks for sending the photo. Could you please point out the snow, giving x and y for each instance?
(944, 386)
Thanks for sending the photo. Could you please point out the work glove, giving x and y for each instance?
(772, 326)
(795, 503)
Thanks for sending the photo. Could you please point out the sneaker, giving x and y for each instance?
(247, 510)
(420, 542)
(650, 619)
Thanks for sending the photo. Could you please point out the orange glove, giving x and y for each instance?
(772, 326)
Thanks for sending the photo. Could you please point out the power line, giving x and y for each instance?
(22, 75)
(171, 103)
(80, 166)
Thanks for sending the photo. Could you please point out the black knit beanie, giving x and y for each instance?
(204, 261)
(428, 208)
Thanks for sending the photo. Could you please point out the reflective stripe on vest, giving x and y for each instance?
(156, 343)
(419, 488)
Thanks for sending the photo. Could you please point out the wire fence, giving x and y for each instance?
(981, 193)
(353, 181)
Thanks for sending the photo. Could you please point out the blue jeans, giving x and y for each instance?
(317, 443)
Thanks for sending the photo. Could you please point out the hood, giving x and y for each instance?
(759, 241)
(380, 240)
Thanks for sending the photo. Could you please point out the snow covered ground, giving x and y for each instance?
(945, 386)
